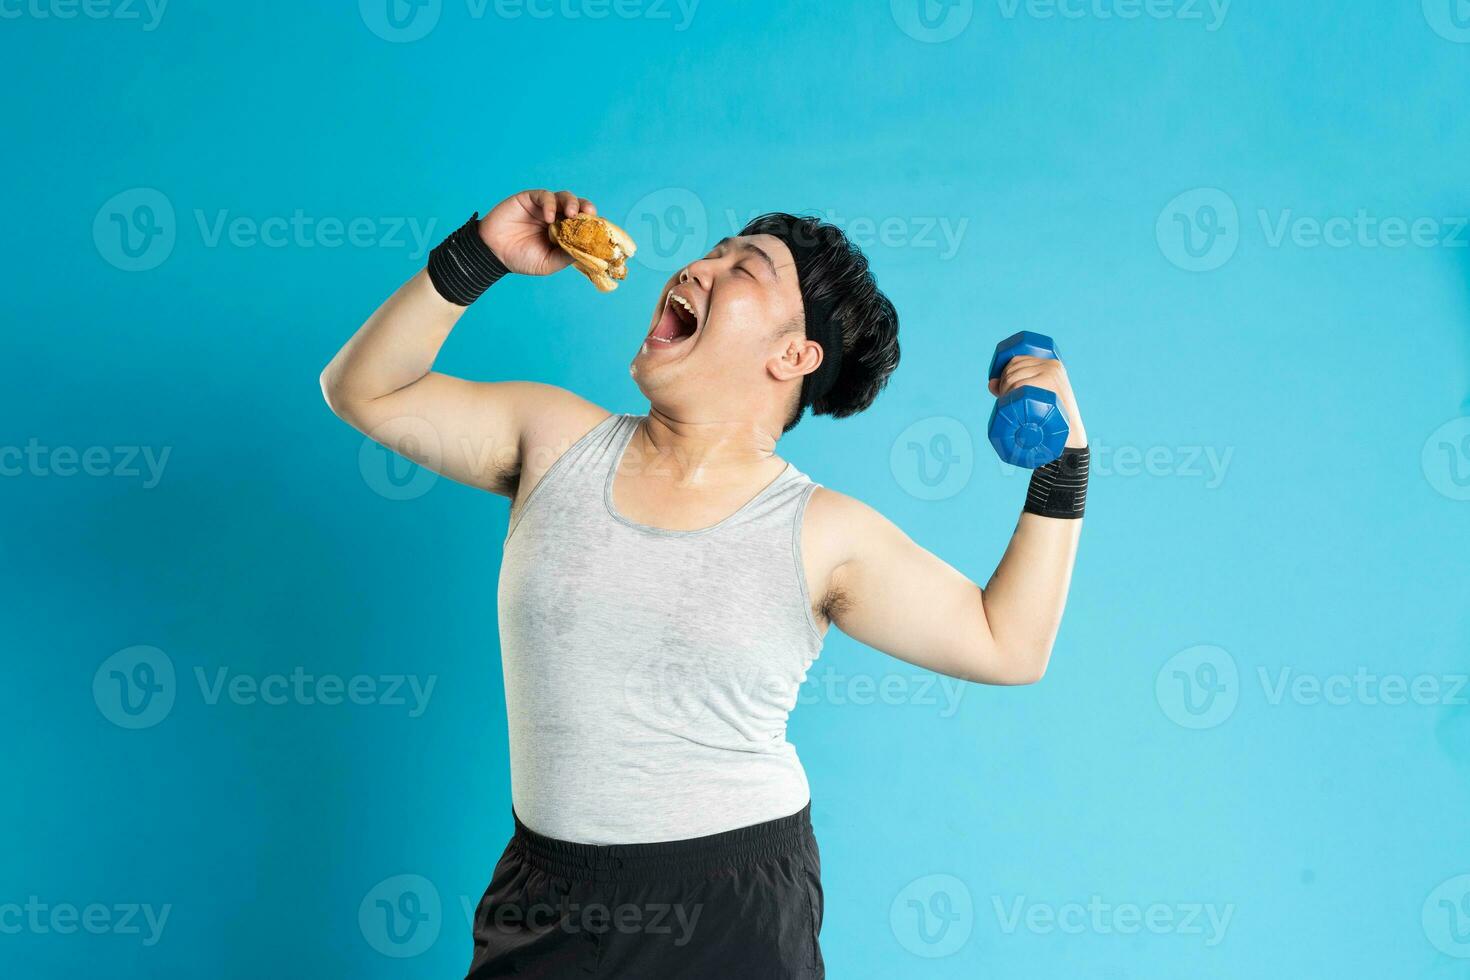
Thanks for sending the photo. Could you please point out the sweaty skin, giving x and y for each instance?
(718, 400)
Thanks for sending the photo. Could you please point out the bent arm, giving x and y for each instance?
(381, 383)
(895, 596)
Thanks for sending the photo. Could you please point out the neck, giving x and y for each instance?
(704, 450)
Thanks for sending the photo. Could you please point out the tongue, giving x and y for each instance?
(670, 327)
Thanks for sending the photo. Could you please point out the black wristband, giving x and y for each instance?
(1059, 489)
(462, 266)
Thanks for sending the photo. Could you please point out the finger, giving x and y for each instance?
(1045, 365)
(1013, 371)
(994, 386)
(1020, 379)
(587, 207)
(543, 202)
(566, 203)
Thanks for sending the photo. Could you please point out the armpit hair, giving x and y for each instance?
(834, 604)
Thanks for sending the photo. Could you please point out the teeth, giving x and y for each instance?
(684, 303)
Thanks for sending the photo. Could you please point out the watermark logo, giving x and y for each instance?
(404, 21)
(34, 459)
(1204, 919)
(1207, 464)
(40, 918)
(670, 226)
(932, 21)
(670, 692)
(678, 12)
(401, 916)
(408, 691)
(386, 458)
(1363, 230)
(148, 13)
(1210, 13)
(1446, 917)
(943, 234)
(301, 230)
(135, 688)
(932, 916)
(935, 21)
(1446, 459)
(1449, 18)
(933, 458)
(1364, 687)
(677, 920)
(1198, 687)
(926, 690)
(1199, 230)
(400, 21)
(135, 230)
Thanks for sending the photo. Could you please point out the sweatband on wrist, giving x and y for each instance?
(462, 266)
(1059, 489)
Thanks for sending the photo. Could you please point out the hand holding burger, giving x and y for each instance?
(537, 232)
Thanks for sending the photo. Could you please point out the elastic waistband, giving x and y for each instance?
(665, 859)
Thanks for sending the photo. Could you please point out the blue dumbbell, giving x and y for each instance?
(1027, 426)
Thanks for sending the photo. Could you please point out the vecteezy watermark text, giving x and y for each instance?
(939, 233)
(148, 13)
(405, 21)
(674, 919)
(123, 462)
(137, 229)
(1210, 13)
(97, 918)
(136, 688)
(299, 687)
(1102, 918)
(1201, 686)
(1201, 229)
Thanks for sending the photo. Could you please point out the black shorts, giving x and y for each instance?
(743, 904)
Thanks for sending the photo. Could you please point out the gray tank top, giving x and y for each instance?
(648, 672)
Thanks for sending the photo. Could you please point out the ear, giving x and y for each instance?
(797, 357)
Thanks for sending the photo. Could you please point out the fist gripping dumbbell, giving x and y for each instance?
(1027, 427)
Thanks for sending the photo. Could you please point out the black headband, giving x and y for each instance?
(820, 325)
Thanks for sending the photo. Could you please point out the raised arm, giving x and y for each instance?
(382, 381)
(888, 592)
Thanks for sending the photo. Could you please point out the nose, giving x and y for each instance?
(699, 272)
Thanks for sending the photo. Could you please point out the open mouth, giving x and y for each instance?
(678, 323)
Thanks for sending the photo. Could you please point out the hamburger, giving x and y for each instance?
(599, 248)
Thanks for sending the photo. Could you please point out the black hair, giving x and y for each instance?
(836, 271)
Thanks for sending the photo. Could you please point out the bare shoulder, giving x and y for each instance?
(839, 523)
(551, 419)
(857, 560)
(549, 414)
(837, 529)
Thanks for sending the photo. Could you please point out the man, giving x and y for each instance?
(667, 580)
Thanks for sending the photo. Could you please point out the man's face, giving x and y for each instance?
(717, 352)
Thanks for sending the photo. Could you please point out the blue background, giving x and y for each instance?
(1331, 378)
